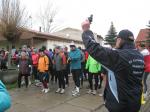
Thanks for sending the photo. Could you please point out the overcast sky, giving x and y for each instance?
(125, 14)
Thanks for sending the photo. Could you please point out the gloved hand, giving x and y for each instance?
(46, 71)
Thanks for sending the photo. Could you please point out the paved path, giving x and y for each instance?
(33, 100)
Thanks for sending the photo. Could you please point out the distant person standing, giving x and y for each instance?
(24, 69)
(35, 59)
(43, 65)
(94, 69)
(4, 59)
(60, 64)
(67, 70)
(75, 65)
(146, 55)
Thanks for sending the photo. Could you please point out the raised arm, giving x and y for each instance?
(105, 56)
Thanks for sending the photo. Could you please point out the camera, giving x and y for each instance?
(90, 18)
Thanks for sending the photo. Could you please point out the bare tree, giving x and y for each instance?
(46, 17)
(11, 20)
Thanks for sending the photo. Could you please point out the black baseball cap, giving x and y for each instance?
(126, 35)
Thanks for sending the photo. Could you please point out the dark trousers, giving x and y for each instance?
(54, 75)
(3, 65)
(44, 78)
(76, 76)
(145, 75)
(90, 78)
(65, 72)
(101, 80)
(35, 73)
(61, 80)
(20, 78)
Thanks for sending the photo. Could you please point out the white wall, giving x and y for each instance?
(51, 44)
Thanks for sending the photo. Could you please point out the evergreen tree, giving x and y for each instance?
(110, 37)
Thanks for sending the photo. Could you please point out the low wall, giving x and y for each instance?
(9, 76)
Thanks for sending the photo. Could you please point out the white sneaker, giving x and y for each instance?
(73, 91)
(46, 90)
(22, 82)
(89, 91)
(77, 89)
(38, 84)
(100, 94)
(58, 90)
(62, 91)
(76, 94)
(94, 92)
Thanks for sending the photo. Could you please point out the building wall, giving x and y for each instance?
(4, 44)
(38, 43)
(52, 43)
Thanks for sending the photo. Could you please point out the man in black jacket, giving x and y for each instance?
(125, 66)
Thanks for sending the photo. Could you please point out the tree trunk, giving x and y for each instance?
(9, 55)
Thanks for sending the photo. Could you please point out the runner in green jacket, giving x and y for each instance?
(94, 69)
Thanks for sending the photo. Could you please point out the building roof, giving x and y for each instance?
(142, 35)
(71, 33)
(29, 34)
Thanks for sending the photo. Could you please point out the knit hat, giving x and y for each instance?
(72, 44)
(126, 35)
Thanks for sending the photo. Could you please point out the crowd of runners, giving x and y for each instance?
(42, 67)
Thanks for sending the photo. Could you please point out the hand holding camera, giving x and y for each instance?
(86, 23)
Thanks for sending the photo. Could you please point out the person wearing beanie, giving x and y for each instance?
(75, 65)
(125, 66)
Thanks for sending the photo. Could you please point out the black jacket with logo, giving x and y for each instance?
(125, 69)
